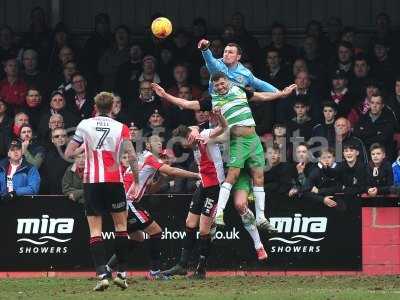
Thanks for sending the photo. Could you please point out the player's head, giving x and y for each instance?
(232, 54)
(182, 132)
(154, 144)
(104, 102)
(378, 153)
(220, 82)
(327, 157)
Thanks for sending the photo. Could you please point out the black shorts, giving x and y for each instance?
(204, 201)
(104, 198)
(138, 217)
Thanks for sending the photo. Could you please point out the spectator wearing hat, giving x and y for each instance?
(54, 164)
(377, 126)
(301, 125)
(352, 171)
(343, 136)
(340, 93)
(326, 129)
(156, 126)
(17, 176)
(80, 98)
(13, 88)
(31, 150)
(114, 57)
(5, 129)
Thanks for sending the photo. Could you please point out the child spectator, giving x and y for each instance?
(72, 184)
(301, 125)
(380, 175)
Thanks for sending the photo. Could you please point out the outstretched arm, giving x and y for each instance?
(182, 103)
(260, 85)
(213, 65)
(268, 96)
(176, 172)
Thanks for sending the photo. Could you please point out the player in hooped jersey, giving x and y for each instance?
(104, 141)
(204, 202)
(140, 220)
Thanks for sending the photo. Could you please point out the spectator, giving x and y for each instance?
(31, 150)
(54, 164)
(340, 93)
(20, 119)
(277, 178)
(361, 74)
(383, 31)
(57, 106)
(311, 54)
(8, 47)
(117, 113)
(33, 106)
(128, 73)
(377, 126)
(383, 64)
(352, 171)
(17, 176)
(276, 72)
(61, 53)
(326, 129)
(98, 42)
(156, 126)
(299, 65)
(348, 35)
(80, 97)
(55, 121)
(345, 136)
(114, 57)
(142, 107)
(278, 41)
(31, 73)
(301, 125)
(280, 138)
(167, 63)
(5, 129)
(149, 73)
(217, 47)
(64, 83)
(182, 45)
(344, 59)
(324, 180)
(12, 88)
(334, 28)
(380, 174)
(393, 102)
(301, 171)
(72, 181)
(177, 116)
(204, 79)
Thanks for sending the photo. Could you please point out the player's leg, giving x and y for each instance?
(192, 223)
(238, 154)
(94, 207)
(248, 219)
(256, 163)
(206, 221)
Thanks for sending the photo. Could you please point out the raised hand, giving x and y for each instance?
(158, 90)
(288, 90)
(203, 44)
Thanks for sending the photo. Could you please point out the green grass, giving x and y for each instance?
(282, 288)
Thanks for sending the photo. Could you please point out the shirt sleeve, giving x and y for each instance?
(78, 136)
(125, 135)
(260, 85)
(249, 94)
(205, 104)
(153, 162)
(213, 65)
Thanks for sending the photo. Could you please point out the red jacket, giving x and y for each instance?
(13, 94)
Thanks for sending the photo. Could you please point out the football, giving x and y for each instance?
(161, 27)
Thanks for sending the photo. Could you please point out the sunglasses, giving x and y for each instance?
(59, 135)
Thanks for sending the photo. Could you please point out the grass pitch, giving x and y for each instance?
(250, 287)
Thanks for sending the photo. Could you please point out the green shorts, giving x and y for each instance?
(243, 182)
(246, 151)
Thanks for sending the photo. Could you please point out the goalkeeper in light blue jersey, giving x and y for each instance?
(229, 65)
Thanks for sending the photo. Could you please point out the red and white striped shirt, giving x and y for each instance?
(148, 167)
(209, 160)
(102, 138)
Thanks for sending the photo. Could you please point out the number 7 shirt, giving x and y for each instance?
(102, 138)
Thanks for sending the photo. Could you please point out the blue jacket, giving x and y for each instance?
(396, 172)
(26, 180)
(240, 76)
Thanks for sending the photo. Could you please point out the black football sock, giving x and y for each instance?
(96, 245)
(122, 250)
(155, 251)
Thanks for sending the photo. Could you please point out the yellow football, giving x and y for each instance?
(161, 27)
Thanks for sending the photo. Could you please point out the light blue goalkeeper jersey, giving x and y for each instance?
(240, 76)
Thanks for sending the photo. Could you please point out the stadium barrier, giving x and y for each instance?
(49, 233)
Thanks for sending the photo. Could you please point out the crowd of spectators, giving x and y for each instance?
(347, 94)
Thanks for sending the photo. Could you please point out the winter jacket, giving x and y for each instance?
(72, 183)
(26, 180)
